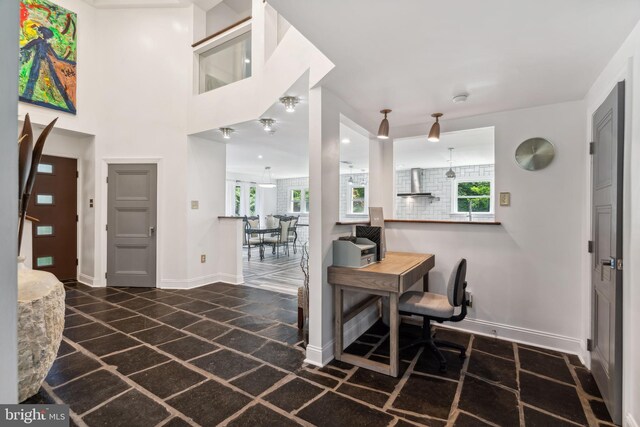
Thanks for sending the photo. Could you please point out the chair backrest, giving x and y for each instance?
(455, 288)
(273, 221)
(284, 230)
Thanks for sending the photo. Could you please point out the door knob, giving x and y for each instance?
(151, 231)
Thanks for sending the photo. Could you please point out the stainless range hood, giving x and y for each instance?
(416, 185)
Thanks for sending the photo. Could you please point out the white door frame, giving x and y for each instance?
(160, 223)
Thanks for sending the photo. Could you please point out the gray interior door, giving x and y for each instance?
(606, 272)
(131, 225)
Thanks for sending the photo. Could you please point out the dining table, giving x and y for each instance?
(260, 233)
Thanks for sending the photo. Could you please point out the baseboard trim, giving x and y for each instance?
(320, 356)
(188, 283)
(232, 279)
(521, 335)
(86, 280)
(629, 421)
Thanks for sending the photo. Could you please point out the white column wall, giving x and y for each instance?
(8, 201)
(324, 186)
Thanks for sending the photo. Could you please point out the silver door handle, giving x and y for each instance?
(611, 262)
(151, 231)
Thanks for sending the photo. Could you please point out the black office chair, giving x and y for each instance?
(440, 308)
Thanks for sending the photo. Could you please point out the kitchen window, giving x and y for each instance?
(358, 200)
(299, 200)
(474, 193)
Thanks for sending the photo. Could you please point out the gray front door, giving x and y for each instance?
(606, 271)
(131, 225)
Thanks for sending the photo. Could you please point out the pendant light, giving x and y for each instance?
(383, 130)
(226, 132)
(351, 175)
(267, 183)
(434, 133)
(450, 173)
(290, 103)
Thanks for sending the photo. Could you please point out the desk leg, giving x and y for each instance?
(337, 303)
(394, 325)
(425, 282)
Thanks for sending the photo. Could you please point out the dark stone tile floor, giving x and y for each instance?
(232, 355)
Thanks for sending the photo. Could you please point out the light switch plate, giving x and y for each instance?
(195, 204)
(505, 199)
(203, 258)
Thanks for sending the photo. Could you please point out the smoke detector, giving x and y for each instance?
(460, 98)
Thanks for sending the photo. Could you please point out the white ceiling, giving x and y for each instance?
(286, 150)
(471, 147)
(413, 56)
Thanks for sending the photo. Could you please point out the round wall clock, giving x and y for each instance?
(535, 154)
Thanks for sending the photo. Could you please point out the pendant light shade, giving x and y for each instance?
(266, 178)
(434, 133)
(383, 130)
(450, 173)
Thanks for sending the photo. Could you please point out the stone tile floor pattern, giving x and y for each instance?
(231, 355)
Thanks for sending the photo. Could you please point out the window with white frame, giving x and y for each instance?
(358, 203)
(475, 194)
(242, 198)
(299, 200)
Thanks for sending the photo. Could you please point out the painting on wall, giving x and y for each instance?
(47, 55)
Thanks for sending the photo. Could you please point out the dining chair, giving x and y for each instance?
(281, 238)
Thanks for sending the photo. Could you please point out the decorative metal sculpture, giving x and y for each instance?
(29, 157)
(304, 265)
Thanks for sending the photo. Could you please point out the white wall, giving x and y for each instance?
(8, 201)
(221, 16)
(524, 274)
(206, 184)
(625, 65)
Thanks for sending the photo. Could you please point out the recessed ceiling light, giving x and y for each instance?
(289, 103)
(346, 140)
(460, 98)
(226, 132)
(259, 156)
(247, 61)
(267, 124)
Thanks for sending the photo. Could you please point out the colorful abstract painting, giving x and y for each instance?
(47, 55)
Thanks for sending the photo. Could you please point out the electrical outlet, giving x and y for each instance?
(195, 204)
(469, 298)
(505, 199)
(203, 258)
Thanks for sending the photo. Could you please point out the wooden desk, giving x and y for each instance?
(390, 278)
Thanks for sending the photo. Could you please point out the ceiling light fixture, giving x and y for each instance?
(351, 177)
(434, 133)
(226, 132)
(266, 178)
(259, 156)
(346, 140)
(290, 103)
(460, 98)
(267, 124)
(383, 130)
(450, 173)
(247, 61)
